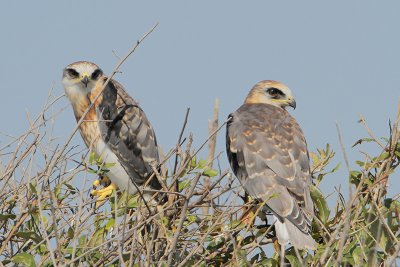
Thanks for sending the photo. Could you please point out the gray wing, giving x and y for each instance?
(128, 133)
(268, 153)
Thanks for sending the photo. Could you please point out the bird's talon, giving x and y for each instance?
(102, 194)
(96, 183)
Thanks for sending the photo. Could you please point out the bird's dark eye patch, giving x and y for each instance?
(72, 73)
(275, 92)
(96, 74)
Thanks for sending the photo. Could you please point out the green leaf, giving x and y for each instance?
(392, 204)
(184, 184)
(82, 240)
(383, 241)
(262, 231)
(92, 158)
(242, 258)
(70, 233)
(193, 162)
(268, 263)
(320, 202)
(314, 158)
(68, 250)
(29, 235)
(24, 258)
(210, 173)
(191, 218)
(348, 258)
(32, 187)
(48, 263)
(42, 249)
(164, 220)
(248, 240)
(108, 165)
(336, 168)
(57, 191)
(5, 217)
(293, 260)
(350, 247)
(95, 256)
(216, 243)
(110, 224)
(355, 177)
(133, 202)
(72, 189)
(97, 238)
(360, 163)
(202, 164)
(236, 225)
(381, 157)
(360, 141)
(92, 171)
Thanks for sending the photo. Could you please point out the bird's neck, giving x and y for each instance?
(88, 128)
(80, 104)
(78, 98)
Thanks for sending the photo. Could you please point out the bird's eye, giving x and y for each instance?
(96, 74)
(274, 92)
(72, 73)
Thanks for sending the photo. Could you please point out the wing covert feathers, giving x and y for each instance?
(126, 130)
(268, 153)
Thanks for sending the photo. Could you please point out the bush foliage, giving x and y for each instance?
(47, 217)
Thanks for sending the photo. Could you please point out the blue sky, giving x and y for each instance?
(341, 59)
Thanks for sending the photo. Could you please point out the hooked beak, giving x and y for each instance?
(292, 103)
(85, 80)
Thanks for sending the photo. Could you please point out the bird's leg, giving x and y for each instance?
(282, 255)
(249, 210)
(280, 249)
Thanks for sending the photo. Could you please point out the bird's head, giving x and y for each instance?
(271, 92)
(79, 78)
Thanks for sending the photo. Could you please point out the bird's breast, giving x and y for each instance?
(90, 130)
(117, 173)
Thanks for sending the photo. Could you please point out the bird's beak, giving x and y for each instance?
(85, 80)
(292, 103)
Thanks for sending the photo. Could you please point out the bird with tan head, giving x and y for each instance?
(268, 154)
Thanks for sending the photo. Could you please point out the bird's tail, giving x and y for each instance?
(287, 232)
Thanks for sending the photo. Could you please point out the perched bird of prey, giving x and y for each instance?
(268, 154)
(115, 128)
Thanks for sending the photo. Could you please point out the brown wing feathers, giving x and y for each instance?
(126, 130)
(267, 155)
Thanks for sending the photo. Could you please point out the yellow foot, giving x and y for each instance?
(104, 180)
(102, 194)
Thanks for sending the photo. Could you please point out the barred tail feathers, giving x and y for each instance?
(287, 232)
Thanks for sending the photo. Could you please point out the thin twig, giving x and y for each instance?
(178, 145)
(182, 218)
